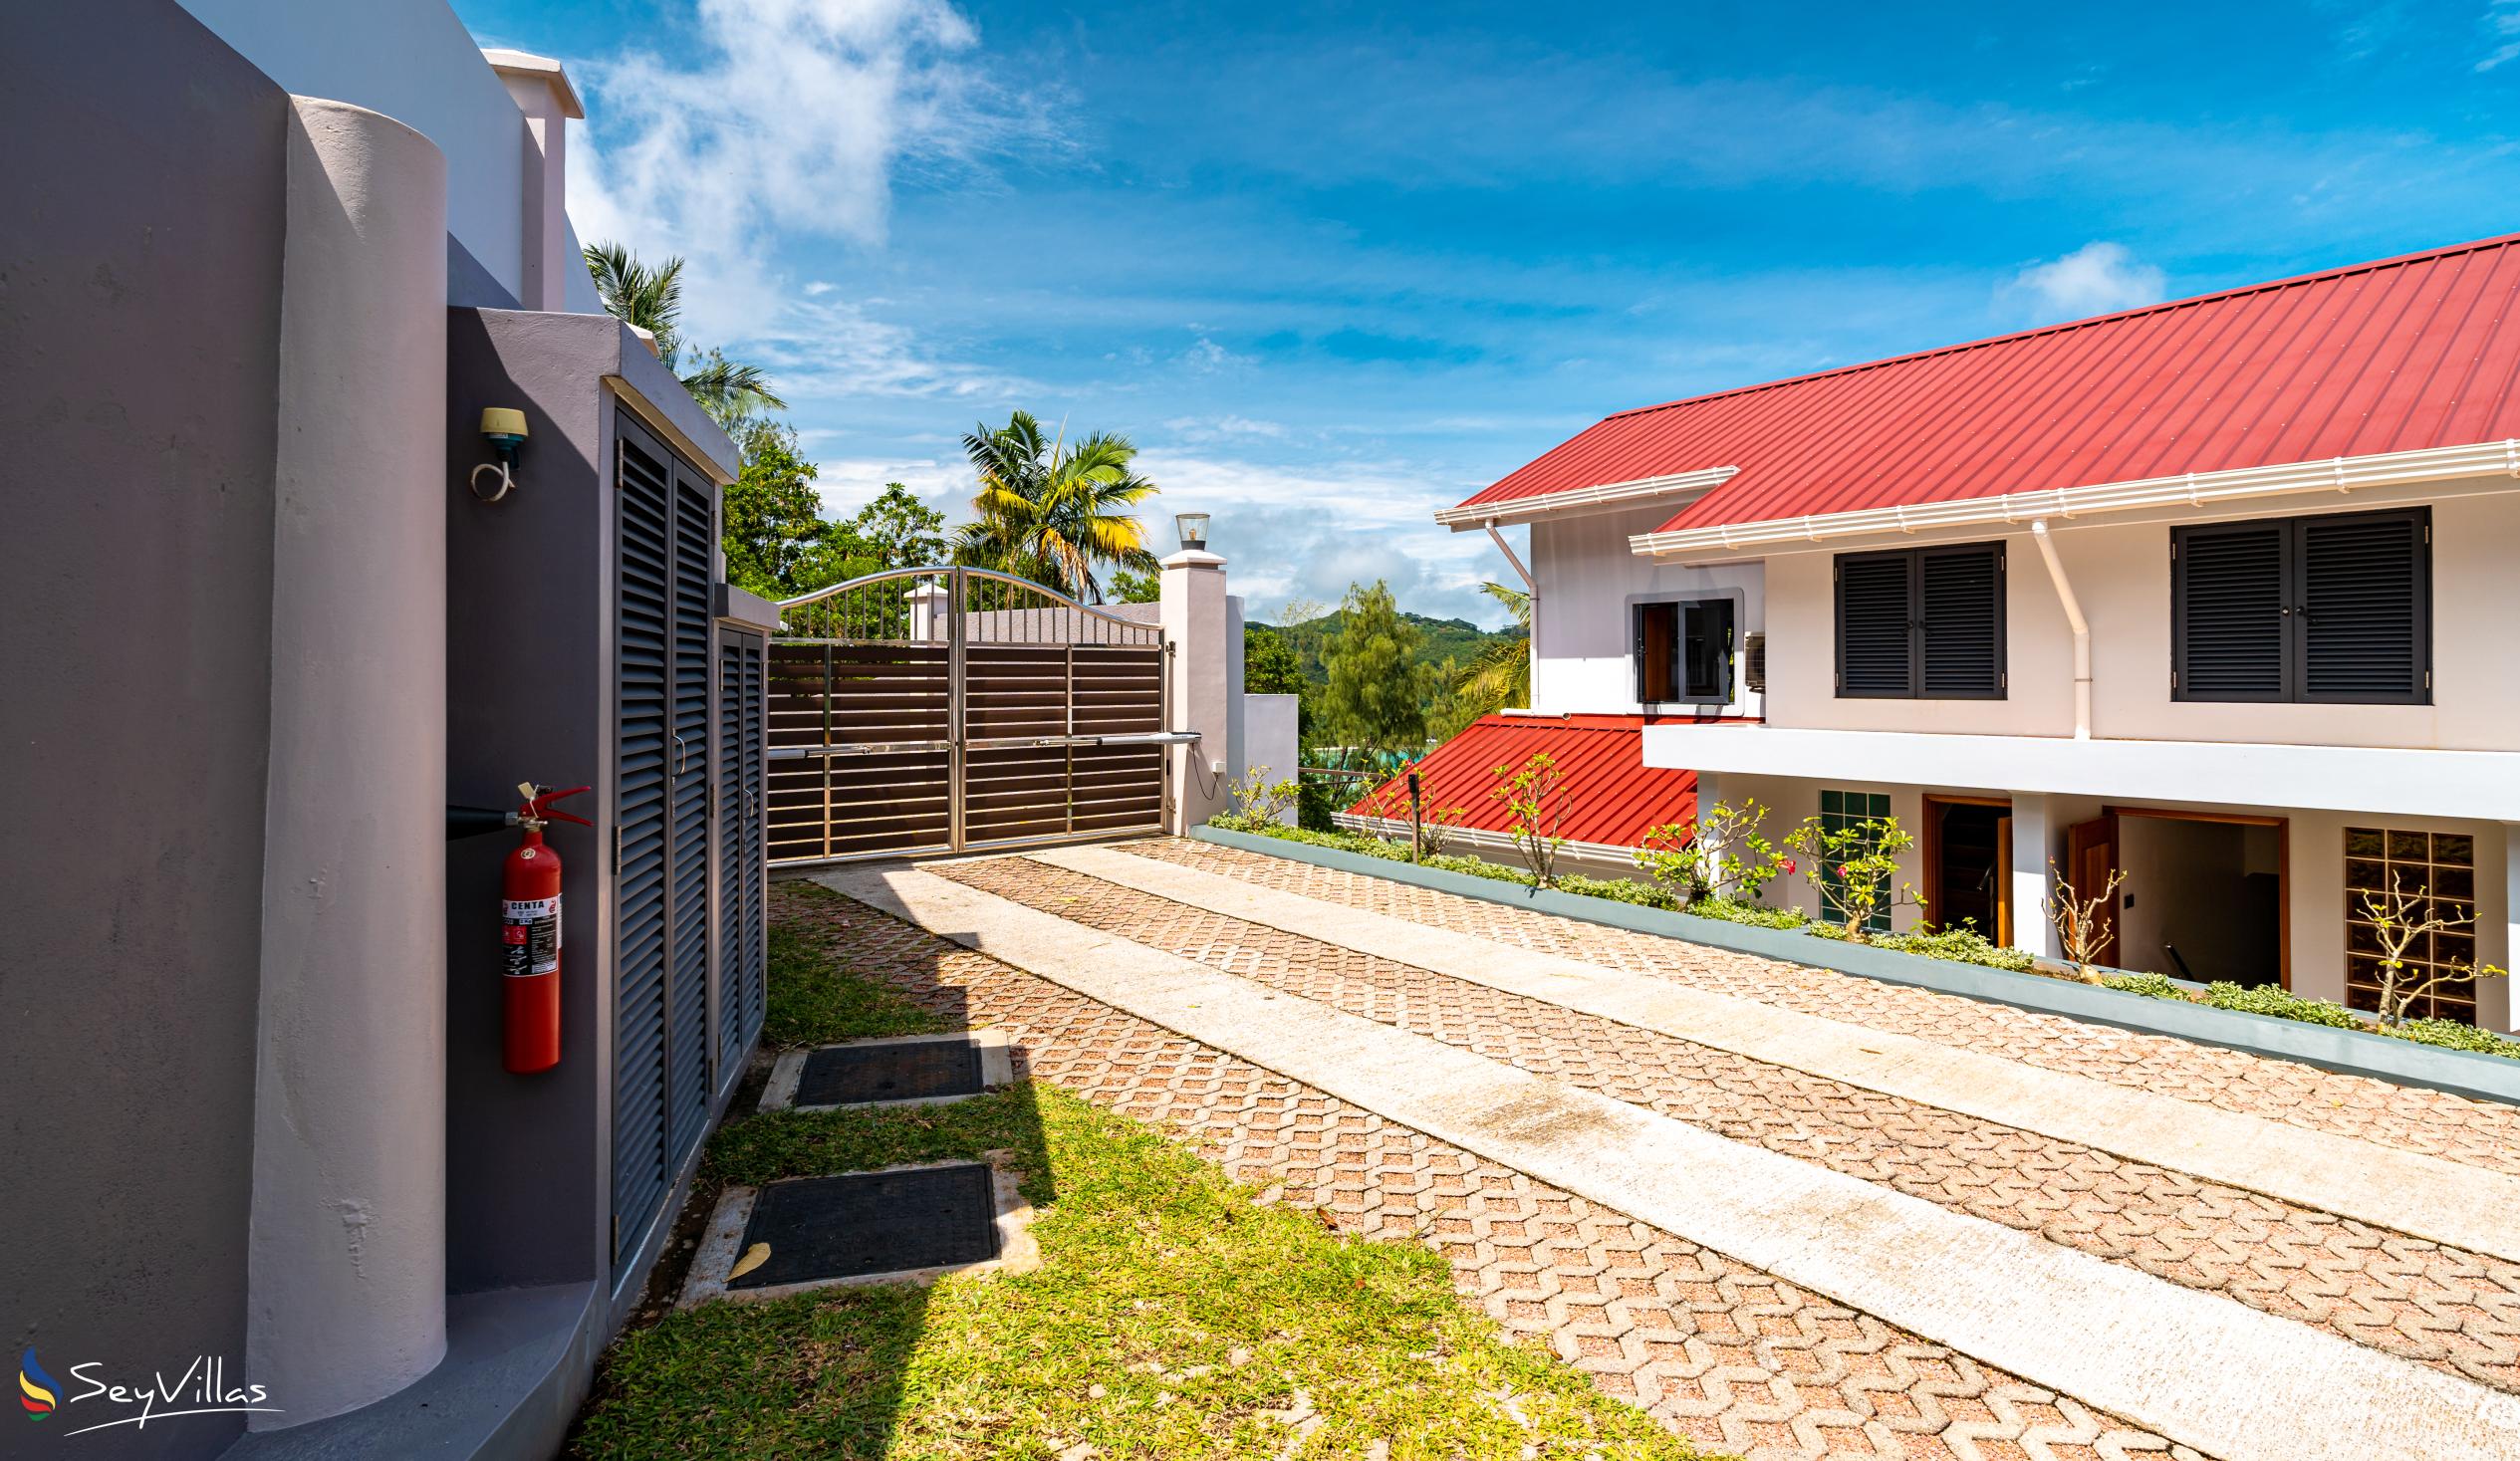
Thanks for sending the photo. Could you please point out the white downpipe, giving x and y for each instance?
(2082, 629)
(1520, 572)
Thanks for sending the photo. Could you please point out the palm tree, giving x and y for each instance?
(1501, 674)
(1051, 512)
(651, 299)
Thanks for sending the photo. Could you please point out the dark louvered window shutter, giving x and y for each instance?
(1961, 623)
(643, 761)
(2227, 607)
(2366, 598)
(1877, 615)
(2327, 610)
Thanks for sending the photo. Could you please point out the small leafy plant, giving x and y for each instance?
(1258, 802)
(1530, 795)
(1722, 854)
(1864, 858)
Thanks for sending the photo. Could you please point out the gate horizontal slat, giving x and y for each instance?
(935, 707)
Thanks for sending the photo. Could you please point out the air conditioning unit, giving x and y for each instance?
(1754, 662)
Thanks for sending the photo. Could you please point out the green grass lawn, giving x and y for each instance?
(1173, 1316)
(813, 999)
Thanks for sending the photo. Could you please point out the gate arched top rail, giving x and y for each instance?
(949, 603)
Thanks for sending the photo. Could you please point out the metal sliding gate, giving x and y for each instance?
(949, 709)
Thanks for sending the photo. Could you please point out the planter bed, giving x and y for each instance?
(2350, 1051)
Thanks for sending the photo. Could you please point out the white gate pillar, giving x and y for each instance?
(1197, 668)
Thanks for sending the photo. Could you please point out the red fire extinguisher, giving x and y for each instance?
(529, 928)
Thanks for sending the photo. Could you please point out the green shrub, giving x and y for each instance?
(2451, 1035)
(2269, 999)
(1963, 945)
(1620, 890)
(2159, 986)
(1756, 914)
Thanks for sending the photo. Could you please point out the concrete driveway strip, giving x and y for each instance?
(2408, 1192)
(2208, 1372)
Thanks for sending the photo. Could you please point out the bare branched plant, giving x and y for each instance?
(2401, 921)
(2082, 924)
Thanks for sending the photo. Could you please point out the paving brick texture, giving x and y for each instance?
(1723, 1353)
(2478, 1134)
(2458, 1312)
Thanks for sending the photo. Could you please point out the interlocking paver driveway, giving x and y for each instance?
(2477, 1133)
(1722, 1351)
(2458, 1312)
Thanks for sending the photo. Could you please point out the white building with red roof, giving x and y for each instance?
(2219, 593)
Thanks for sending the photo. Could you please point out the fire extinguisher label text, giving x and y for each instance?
(530, 929)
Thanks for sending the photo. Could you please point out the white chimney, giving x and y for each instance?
(543, 94)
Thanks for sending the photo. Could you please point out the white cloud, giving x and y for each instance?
(783, 118)
(2095, 279)
(1307, 533)
(1228, 427)
(846, 484)
(822, 349)
(1207, 357)
(2501, 24)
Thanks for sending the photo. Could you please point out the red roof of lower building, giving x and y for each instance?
(2410, 352)
(1606, 793)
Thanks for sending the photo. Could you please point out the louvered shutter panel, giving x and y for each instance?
(753, 847)
(742, 871)
(1875, 613)
(2365, 611)
(641, 757)
(687, 1052)
(1960, 644)
(2228, 607)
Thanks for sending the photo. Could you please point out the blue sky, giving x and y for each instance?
(1334, 267)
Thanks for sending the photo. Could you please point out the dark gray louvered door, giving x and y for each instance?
(2229, 611)
(743, 874)
(1876, 611)
(2364, 595)
(643, 670)
(2334, 609)
(687, 1061)
(1961, 623)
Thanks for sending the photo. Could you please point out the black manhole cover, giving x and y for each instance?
(849, 1073)
(871, 1223)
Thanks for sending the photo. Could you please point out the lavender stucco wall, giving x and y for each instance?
(139, 297)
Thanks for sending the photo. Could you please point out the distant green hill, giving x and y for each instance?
(1457, 639)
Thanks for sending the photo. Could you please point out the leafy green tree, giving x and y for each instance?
(1051, 510)
(1129, 588)
(1268, 666)
(777, 541)
(1374, 701)
(1500, 675)
(900, 530)
(651, 299)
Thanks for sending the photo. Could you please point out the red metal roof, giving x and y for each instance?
(1605, 792)
(2415, 352)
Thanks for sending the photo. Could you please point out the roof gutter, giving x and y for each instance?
(2194, 489)
(1476, 514)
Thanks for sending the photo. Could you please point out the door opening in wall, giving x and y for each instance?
(1968, 844)
(2205, 898)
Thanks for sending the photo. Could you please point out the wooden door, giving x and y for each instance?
(2091, 859)
(2003, 879)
